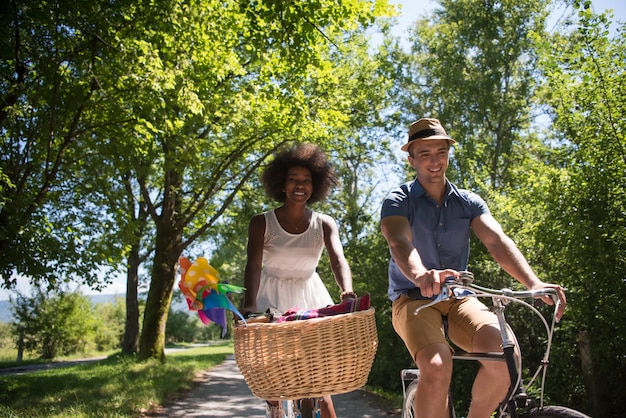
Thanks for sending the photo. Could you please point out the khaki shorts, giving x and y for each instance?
(465, 317)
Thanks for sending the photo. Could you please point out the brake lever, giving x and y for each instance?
(443, 295)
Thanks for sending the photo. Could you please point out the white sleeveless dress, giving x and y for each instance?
(289, 278)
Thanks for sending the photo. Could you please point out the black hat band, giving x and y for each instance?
(424, 133)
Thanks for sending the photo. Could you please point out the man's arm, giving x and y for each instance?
(510, 258)
(397, 232)
(504, 251)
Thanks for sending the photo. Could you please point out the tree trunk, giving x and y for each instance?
(130, 344)
(168, 247)
(152, 340)
(600, 391)
(20, 347)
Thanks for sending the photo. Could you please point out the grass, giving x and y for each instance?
(392, 399)
(117, 386)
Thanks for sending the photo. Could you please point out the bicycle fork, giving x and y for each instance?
(304, 408)
(515, 395)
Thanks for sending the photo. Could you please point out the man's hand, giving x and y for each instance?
(560, 292)
(430, 281)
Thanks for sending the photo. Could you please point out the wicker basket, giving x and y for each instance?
(307, 358)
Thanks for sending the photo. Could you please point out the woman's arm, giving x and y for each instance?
(338, 263)
(254, 263)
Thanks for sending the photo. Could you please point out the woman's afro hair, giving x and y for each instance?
(301, 155)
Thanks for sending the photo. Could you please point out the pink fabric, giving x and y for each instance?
(351, 305)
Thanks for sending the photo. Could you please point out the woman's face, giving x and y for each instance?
(298, 184)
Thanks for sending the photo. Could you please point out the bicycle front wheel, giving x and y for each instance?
(409, 398)
(554, 412)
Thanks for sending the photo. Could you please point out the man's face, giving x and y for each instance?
(430, 159)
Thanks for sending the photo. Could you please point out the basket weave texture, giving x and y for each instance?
(307, 358)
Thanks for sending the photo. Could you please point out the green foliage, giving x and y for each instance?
(472, 66)
(49, 57)
(180, 327)
(185, 327)
(369, 260)
(7, 353)
(53, 324)
(58, 324)
(584, 229)
(144, 121)
(109, 329)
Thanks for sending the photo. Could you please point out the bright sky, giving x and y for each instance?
(619, 8)
(414, 9)
(411, 11)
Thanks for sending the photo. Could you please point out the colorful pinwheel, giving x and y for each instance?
(200, 284)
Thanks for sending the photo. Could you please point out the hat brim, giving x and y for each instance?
(406, 146)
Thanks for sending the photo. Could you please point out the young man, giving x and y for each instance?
(427, 224)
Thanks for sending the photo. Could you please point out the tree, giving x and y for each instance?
(473, 66)
(59, 324)
(49, 76)
(109, 327)
(181, 327)
(192, 96)
(239, 84)
(118, 211)
(584, 231)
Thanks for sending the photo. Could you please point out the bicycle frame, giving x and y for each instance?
(516, 396)
(294, 408)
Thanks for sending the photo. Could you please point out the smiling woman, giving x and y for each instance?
(285, 244)
(293, 235)
(298, 189)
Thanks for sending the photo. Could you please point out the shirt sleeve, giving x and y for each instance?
(396, 203)
(476, 204)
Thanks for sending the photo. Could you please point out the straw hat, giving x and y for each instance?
(426, 128)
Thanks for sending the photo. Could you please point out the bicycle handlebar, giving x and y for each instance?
(465, 282)
(521, 294)
(462, 286)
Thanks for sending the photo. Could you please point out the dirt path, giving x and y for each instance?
(222, 392)
(18, 370)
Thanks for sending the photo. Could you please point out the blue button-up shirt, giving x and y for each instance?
(440, 233)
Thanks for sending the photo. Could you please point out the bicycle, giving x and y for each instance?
(287, 408)
(516, 403)
(299, 358)
(299, 408)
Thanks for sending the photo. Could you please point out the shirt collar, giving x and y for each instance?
(418, 191)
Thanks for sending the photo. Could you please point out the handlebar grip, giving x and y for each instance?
(546, 291)
(529, 293)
